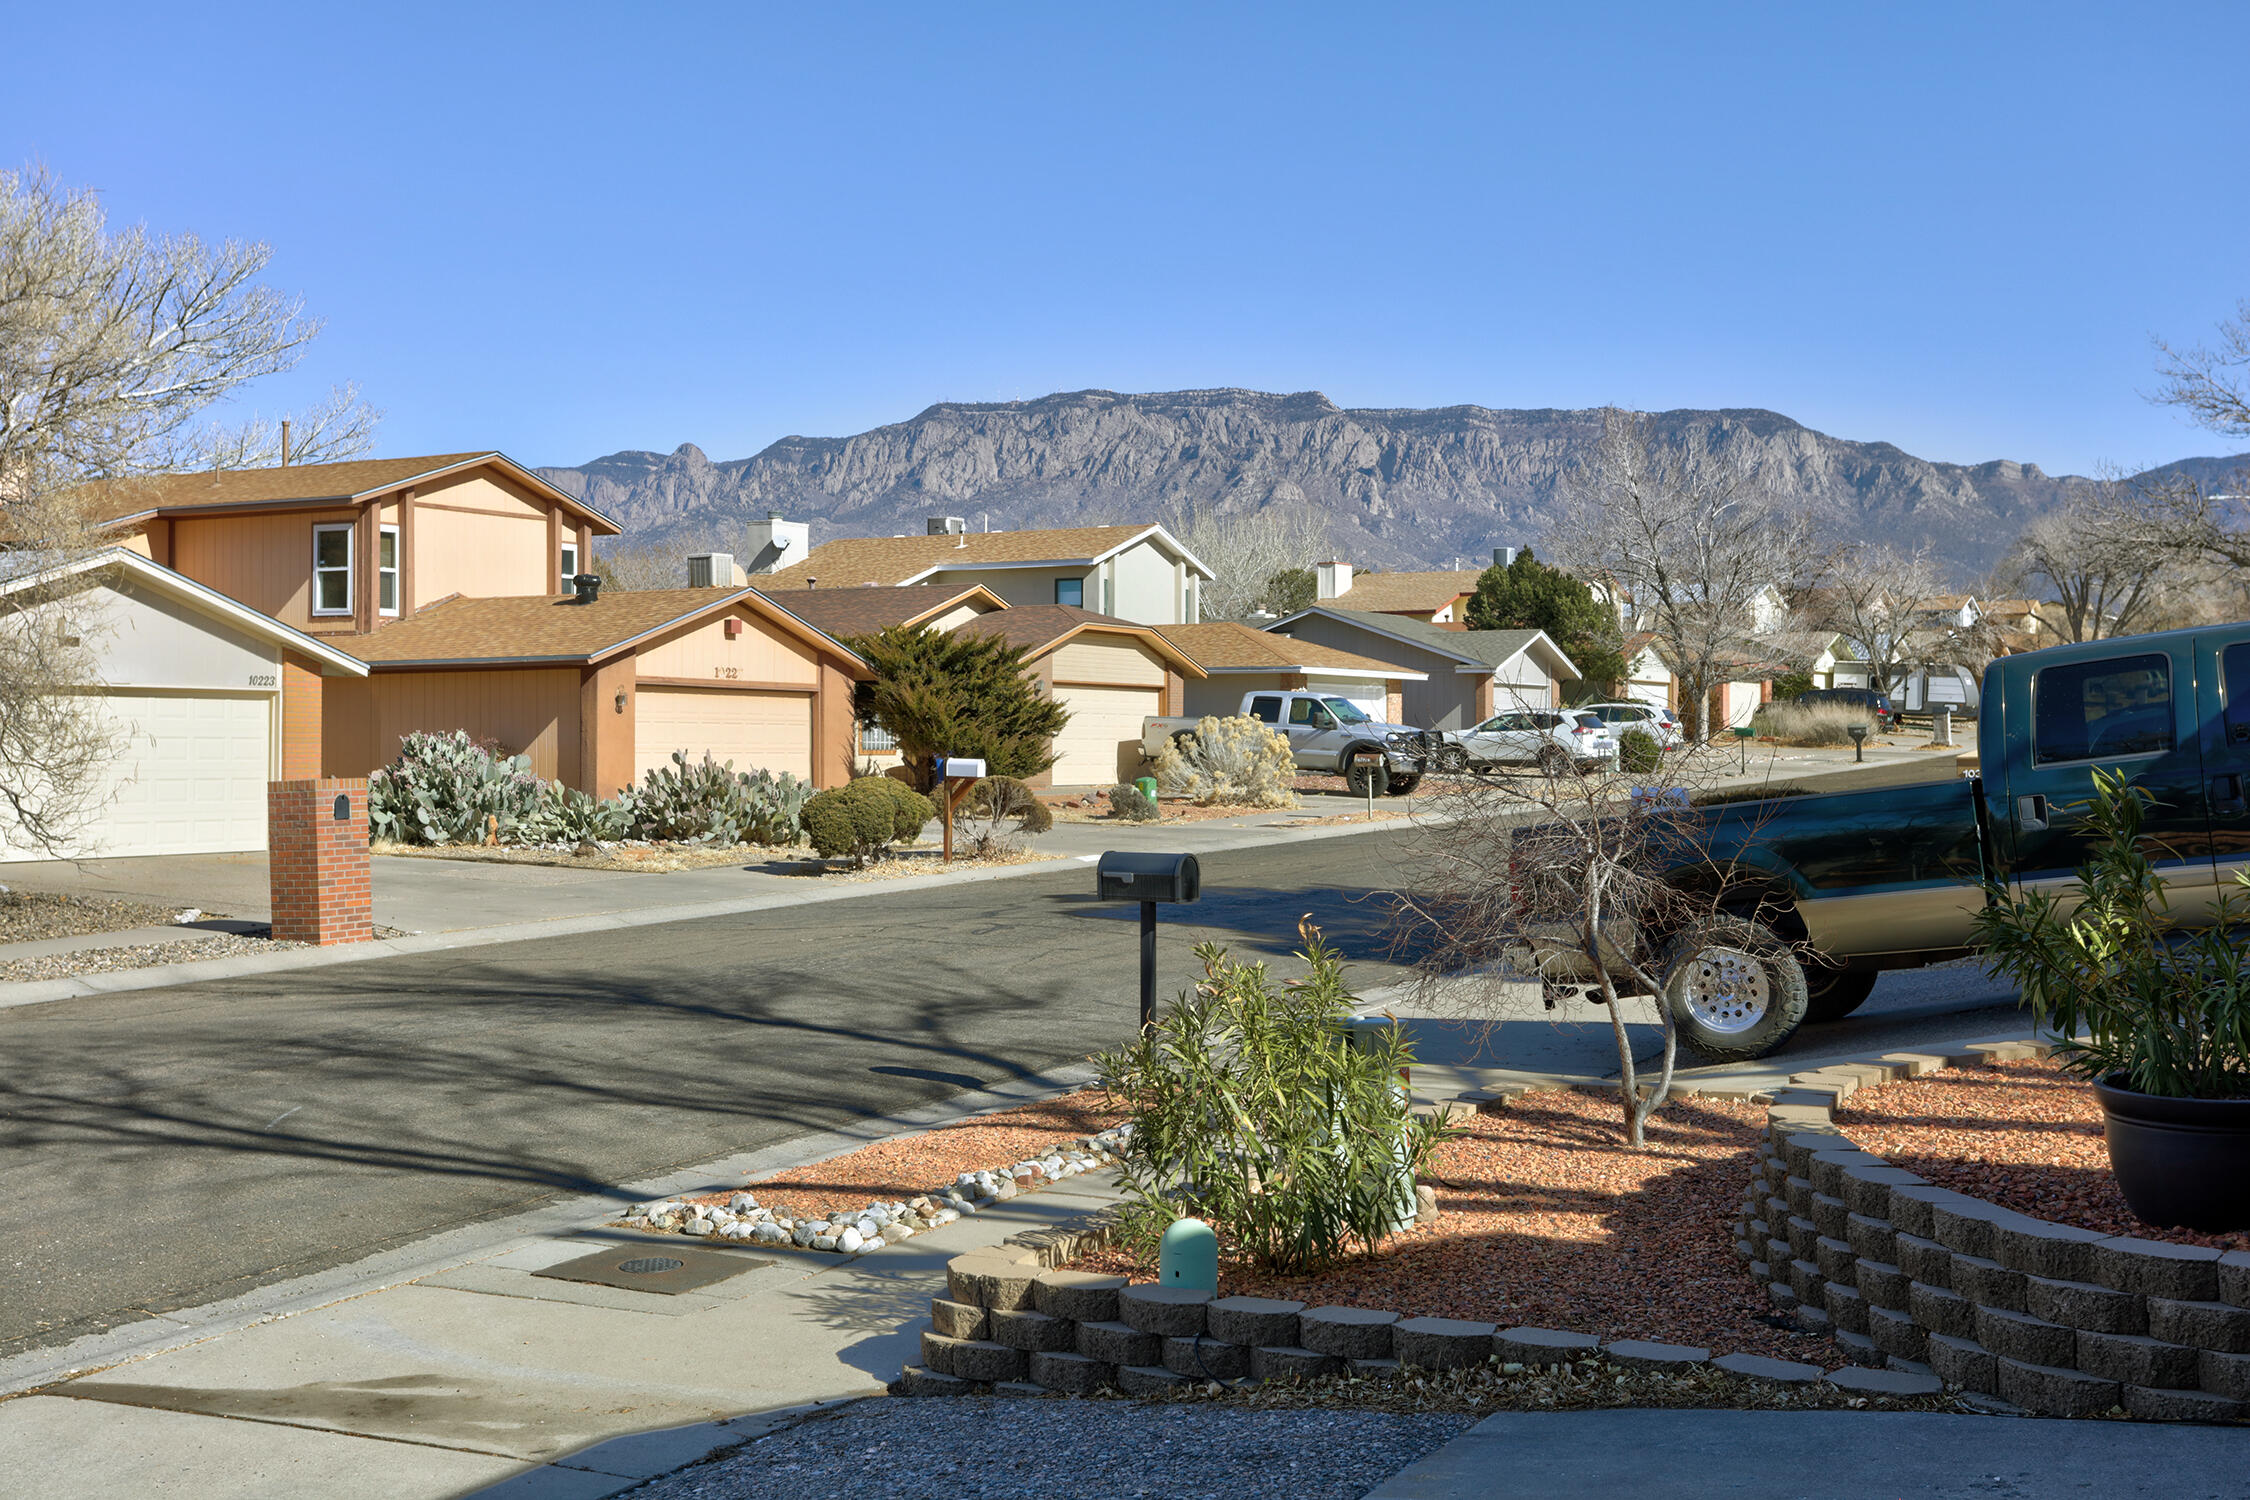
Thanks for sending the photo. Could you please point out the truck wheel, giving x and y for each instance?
(1553, 760)
(1357, 780)
(1735, 989)
(1452, 759)
(1403, 786)
(1833, 993)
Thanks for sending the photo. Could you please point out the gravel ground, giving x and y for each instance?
(34, 916)
(916, 1164)
(1549, 1219)
(139, 956)
(656, 859)
(1106, 1450)
(2025, 1135)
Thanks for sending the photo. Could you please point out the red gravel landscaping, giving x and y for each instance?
(1550, 1220)
(2024, 1135)
(917, 1164)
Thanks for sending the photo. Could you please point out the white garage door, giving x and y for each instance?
(190, 779)
(1102, 741)
(756, 731)
(1370, 698)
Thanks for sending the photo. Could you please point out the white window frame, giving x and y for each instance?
(566, 558)
(393, 575)
(351, 561)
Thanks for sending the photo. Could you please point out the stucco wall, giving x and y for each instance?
(1447, 700)
(760, 653)
(1147, 587)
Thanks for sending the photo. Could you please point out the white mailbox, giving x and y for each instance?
(957, 768)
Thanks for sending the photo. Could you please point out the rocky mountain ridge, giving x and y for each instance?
(1396, 488)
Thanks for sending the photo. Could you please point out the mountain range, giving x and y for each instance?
(1395, 488)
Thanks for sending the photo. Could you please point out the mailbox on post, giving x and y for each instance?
(1148, 879)
(957, 775)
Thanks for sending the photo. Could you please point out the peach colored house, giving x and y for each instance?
(452, 578)
(1111, 674)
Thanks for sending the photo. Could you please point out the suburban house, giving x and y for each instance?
(1433, 598)
(1239, 659)
(1111, 674)
(1648, 679)
(210, 700)
(1136, 573)
(453, 580)
(1465, 676)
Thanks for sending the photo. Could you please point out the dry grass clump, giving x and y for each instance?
(1812, 726)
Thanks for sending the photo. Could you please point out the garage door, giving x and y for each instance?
(756, 731)
(1370, 698)
(190, 779)
(1102, 741)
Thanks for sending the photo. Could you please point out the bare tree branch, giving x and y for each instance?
(2212, 385)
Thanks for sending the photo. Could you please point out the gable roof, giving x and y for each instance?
(1475, 650)
(1385, 592)
(22, 570)
(291, 485)
(555, 629)
(869, 608)
(1041, 628)
(1232, 646)
(850, 561)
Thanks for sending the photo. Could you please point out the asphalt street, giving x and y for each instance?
(166, 1148)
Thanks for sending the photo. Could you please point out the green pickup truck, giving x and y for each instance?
(1860, 882)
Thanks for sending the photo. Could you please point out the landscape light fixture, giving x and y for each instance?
(1858, 732)
(1148, 879)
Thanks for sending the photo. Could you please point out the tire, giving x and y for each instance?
(1403, 786)
(1833, 993)
(1358, 781)
(1451, 759)
(1735, 989)
(1553, 760)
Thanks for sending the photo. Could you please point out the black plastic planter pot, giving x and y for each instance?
(2181, 1163)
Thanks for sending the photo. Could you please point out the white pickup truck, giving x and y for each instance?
(1326, 733)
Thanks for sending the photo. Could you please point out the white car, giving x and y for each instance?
(1551, 739)
(1660, 723)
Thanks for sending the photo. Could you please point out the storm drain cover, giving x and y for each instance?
(628, 1267)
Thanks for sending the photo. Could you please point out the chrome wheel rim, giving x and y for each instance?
(1725, 990)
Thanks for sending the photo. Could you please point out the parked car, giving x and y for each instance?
(1844, 885)
(1661, 724)
(1326, 733)
(1550, 739)
(1868, 701)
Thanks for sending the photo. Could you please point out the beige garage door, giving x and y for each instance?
(1102, 741)
(190, 777)
(757, 731)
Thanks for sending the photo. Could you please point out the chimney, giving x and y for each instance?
(588, 586)
(1332, 580)
(714, 570)
(948, 526)
(285, 442)
(776, 544)
(1504, 557)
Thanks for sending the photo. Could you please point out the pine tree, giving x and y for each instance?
(949, 694)
(1528, 595)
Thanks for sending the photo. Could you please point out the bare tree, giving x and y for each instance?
(1887, 604)
(648, 566)
(1691, 534)
(1246, 549)
(2212, 385)
(116, 347)
(2100, 556)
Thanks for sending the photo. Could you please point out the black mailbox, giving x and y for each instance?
(1148, 877)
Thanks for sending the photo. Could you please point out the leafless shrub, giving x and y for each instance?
(1810, 724)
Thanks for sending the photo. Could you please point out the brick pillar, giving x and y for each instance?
(317, 862)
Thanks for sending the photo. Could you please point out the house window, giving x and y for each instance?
(386, 570)
(1071, 591)
(332, 570)
(1109, 595)
(569, 565)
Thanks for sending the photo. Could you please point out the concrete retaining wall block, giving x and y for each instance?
(2056, 1392)
(2136, 1360)
(1964, 1362)
(1032, 1331)
(1074, 1373)
(2024, 1338)
(1542, 1346)
(1347, 1332)
(1442, 1343)
(1080, 1296)
(2206, 1325)
(2083, 1305)
(1286, 1362)
(1171, 1311)
(957, 1320)
(1203, 1358)
(1254, 1320)
(1119, 1344)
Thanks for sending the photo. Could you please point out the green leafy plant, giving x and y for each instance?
(1638, 751)
(1235, 761)
(910, 810)
(709, 802)
(1528, 595)
(2134, 996)
(1129, 804)
(568, 815)
(1254, 1110)
(861, 819)
(960, 693)
(449, 789)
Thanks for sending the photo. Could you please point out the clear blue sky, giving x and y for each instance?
(566, 229)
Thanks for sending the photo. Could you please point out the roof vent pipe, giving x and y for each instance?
(588, 585)
(285, 442)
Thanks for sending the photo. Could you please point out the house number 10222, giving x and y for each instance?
(726, 671)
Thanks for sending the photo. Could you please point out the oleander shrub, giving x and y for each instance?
(1254, 1111)
(446, 788)
(1129, 804)
(1638, 751)
(1235, 761)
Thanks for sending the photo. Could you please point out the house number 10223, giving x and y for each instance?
(261, 679)
(726, 671)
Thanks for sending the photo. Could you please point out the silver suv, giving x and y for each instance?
(1551, 739)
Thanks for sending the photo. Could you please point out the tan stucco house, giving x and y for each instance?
(1239, 659)
(1466, 676)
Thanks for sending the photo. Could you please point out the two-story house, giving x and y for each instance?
(453, 578)
(1440, 598)
(1137, 573)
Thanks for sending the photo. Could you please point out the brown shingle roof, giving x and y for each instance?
(850, 561)
(1383, 593)
(544, 628)
(864, 610)
(1234, 647)
(302, 484)
(1040, 628)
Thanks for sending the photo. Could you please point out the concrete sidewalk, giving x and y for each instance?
(1823, 1455)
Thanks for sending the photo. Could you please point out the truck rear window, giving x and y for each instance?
(2100, 710)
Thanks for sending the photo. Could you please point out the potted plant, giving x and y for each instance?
(2155, 1015)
